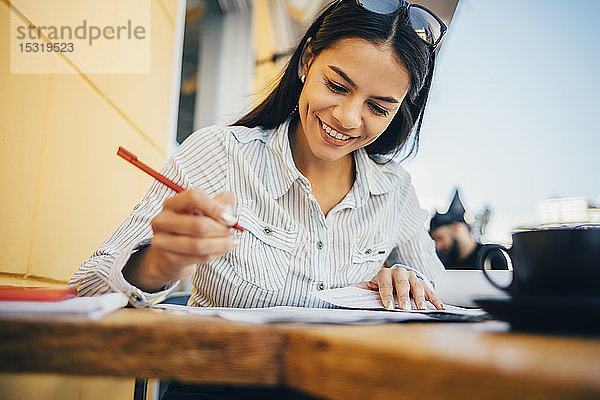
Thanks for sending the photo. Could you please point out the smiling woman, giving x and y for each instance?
(338, 98)
(341, 110)
(304, 170)
(410, 33)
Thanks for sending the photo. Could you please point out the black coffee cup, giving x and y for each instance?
(553, 262)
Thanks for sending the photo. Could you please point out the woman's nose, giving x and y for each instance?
(348, 114)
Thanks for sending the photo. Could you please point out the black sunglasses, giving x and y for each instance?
(425, 23)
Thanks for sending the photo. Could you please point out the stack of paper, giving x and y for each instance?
(296, 314)
(360, 306)
(362, 299)
(91, 307)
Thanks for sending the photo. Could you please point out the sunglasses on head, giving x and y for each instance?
(425, 23)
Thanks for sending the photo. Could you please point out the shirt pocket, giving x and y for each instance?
(263, 255)
(367, 258)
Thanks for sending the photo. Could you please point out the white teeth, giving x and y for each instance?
(333, 133)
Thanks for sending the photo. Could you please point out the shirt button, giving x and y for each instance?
(267, 230)
(320, 286)
(368, 251)
(319, 245)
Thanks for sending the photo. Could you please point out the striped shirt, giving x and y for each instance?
(289, 248)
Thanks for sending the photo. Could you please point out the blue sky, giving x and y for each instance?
(514, 113)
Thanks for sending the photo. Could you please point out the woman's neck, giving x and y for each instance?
(330, 181)
(318, 171)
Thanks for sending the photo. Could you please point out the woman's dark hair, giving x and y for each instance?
(349, 20)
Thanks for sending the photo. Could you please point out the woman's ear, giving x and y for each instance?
(306, 59)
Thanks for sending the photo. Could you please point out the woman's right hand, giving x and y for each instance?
(188, 230)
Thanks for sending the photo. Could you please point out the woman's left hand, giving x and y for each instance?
(405, 283)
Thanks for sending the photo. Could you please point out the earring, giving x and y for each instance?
(302, 78)
(294, 110)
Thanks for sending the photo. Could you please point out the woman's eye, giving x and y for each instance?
(378, 110)
(335, 88)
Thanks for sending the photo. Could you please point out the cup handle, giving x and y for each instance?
(483, 259)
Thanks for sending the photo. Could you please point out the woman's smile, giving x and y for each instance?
(333, 136)
(341, 108)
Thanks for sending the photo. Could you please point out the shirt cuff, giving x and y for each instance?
(430, 283)
(137, 297)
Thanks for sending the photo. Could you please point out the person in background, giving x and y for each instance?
(454, 243)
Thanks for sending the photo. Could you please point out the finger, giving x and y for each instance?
(433, 298)
(182, 266)
(184, 260)
(195, 248)
(386, 288)
(226, 198)
(417, 290)
(188, 224)
(184, 202)
(369, 285)
(402, 285)
(193, 200)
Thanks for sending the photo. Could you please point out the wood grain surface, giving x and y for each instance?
(144, 343)
(387, 361)
(441, 361)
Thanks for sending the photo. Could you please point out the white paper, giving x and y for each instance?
(357, 298)
(91, 307)
(460, 287)
(296, 314)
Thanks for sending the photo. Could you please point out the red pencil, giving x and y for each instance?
(132, 158)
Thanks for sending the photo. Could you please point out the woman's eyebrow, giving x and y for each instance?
(343, 75)
(354, 85)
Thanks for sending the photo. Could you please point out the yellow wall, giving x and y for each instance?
(266, 73)
(63, 187)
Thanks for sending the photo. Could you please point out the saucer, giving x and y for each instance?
(557, 314)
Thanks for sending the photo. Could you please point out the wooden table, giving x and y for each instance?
(387, 361)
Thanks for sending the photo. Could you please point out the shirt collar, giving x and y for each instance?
(371, 178)
(283, 169)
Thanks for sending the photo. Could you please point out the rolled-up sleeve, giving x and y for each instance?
(193, 165)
